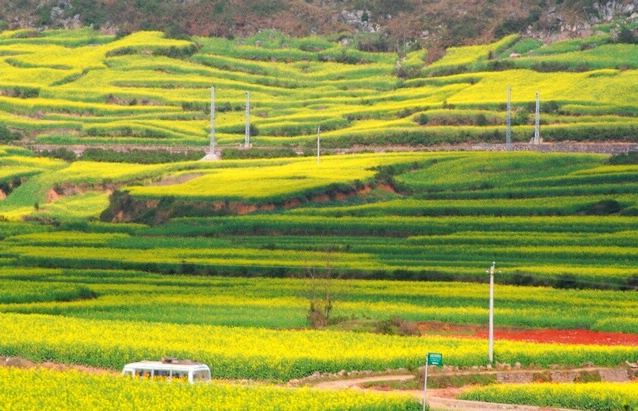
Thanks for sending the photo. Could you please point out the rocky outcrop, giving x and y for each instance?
(405, 22)
(608, 10)
(360, 20)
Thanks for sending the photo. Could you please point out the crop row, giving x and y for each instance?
(282, 303)
(265, 354)
(143, 239)
(392, 225)
(29, 390)
(144, 73)
(567, 205)
(591, 396)
(599, 266)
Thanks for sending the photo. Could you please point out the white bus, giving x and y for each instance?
(168, 369)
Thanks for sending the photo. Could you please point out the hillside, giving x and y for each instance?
(566, 220)
(81, 88)
(380, 25)
(294, 257)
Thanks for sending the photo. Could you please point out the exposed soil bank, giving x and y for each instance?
(126, 208)
(539, 335)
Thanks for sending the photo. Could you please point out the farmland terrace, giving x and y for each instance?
(78, 89)
(273, 269)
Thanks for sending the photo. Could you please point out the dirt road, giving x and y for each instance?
(437, 398)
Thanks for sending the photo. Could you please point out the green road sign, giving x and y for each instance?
(435, 359)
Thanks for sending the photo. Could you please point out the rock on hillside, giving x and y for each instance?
(377, 24)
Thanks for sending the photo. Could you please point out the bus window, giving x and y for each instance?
(180, 375)
(161, 374)
(201, 376)
(142, 374)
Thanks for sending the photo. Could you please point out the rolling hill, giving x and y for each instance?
(78, 89)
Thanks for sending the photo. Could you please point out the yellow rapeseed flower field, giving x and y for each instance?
(264, 354)
(598, 396)
(39, 389)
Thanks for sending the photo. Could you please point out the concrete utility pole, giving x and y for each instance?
(212, 149)
(537, 122)
(247, 138)
(491, 320)
(508, 132)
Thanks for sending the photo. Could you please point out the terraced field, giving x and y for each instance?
(84, 88)
(105, 262)
(548, 219)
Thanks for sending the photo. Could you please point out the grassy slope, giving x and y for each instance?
(454, 213)
(61, 280)
(547, 219)
(80, 87)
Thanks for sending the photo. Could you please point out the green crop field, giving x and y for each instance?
(84, 88)
(26, 390)
(105, 261)
(548, 219)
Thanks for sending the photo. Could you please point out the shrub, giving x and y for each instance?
(140, 156)
(630, 157)
(7, 135)
(234, 153)
(421, 119)
(61, 153)
(397, 326)
(603, 207)
(625, 35)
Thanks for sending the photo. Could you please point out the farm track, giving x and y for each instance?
(442, 398)
(437, 398)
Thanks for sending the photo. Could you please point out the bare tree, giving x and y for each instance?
(320, 293)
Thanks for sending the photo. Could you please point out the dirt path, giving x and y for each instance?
(26, 364)
(437, 398)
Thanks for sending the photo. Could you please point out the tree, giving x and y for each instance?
(320, 295)
(625, 35)
(521, 117)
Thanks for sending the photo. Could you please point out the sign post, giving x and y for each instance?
(430, 359)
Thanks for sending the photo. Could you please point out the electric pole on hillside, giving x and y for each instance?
(490, 338)
(212, 121)
(247, 138)
(318, 144)
(537, 122)
(508, 131)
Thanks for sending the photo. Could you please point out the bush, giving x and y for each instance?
(549, 107)
(603, 207)
(630, 157)
(233, 153)
(521, 118)
(7, 135)
(501, 65)
(625, 35)
(421, 119)
(552, 66)
(397, 326)
(61, 153)
(140, 156)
